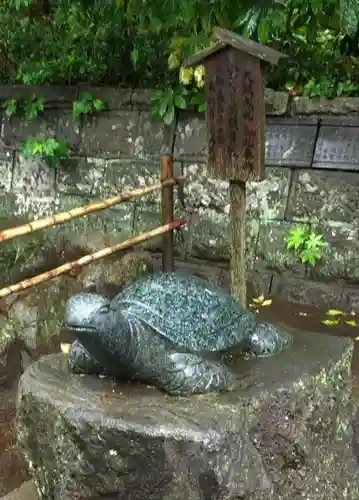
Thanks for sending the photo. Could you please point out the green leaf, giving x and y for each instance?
(263, 31)
(169, 115)
(330, 322)
(19, 4)
(81, 107)
(297, 237)
(10, 107)
(351, 323)
(308, 257)
(162, 106)
(335, 312)
(86, 96)
(258, 300)
(33, 107)
(174, 60)
(62, 150)
(49, 147)
(180, 102)
(135, 56)
(349, 16)
(315, 242)
(202, 107)
(98, 105)
(49, 150)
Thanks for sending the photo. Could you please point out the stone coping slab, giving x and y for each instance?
(285, 433)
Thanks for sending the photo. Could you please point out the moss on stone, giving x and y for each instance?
(8, 333)
(36, 316)
(40, 311)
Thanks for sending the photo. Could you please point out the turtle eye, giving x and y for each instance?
(104, 309)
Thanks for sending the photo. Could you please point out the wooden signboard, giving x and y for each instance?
(234, 90)
(235, 115)
(235, 106)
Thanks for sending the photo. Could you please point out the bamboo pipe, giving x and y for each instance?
(88, 259)
(74, 213)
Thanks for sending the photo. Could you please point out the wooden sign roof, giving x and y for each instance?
(225, 38)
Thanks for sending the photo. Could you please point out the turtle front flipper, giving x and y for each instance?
(185, 373)
(80, 361)
(268, 340)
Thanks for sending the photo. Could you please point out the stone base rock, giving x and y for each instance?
(27, 491)
(285, 433)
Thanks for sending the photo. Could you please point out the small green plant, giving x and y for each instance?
(10, 107)
(33, 107)
(85, 105)
(166, 103)
(50, 151)
(190, 93)
(307, 245)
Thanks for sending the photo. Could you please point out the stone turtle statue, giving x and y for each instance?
(167, 330)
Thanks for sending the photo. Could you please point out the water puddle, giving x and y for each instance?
(309, 318)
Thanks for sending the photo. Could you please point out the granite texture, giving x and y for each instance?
(284, 433)
(169, 330)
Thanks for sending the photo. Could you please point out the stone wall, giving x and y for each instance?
(312, 177)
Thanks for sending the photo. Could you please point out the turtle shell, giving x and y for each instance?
(188, 311)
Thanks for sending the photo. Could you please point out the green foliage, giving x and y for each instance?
(166, 102)
(190, 95)
(32, 108)
(22, 3)
(135, 44)
(10, 107)
(50, 150)
(128, 43)
(306, 244)
(85, 105)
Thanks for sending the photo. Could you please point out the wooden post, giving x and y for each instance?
(167, 214)
(237, 215)
(235, 115)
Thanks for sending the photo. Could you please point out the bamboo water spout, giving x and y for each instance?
(88, 259)
(74, 213)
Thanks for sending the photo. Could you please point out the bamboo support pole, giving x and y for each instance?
(237, 216)
(167, 213)
(88, 259)
(74, 213)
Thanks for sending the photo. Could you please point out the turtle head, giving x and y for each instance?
(267, 340)
(86, 313)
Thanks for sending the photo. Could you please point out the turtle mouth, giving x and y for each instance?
(80, 328)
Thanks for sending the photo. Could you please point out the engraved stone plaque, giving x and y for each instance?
(337, 147)
(290, 142)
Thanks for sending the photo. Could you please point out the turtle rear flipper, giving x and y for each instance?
(268, 340)
(184, 373)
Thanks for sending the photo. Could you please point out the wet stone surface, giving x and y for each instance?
(329, 196)
(283, 433)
